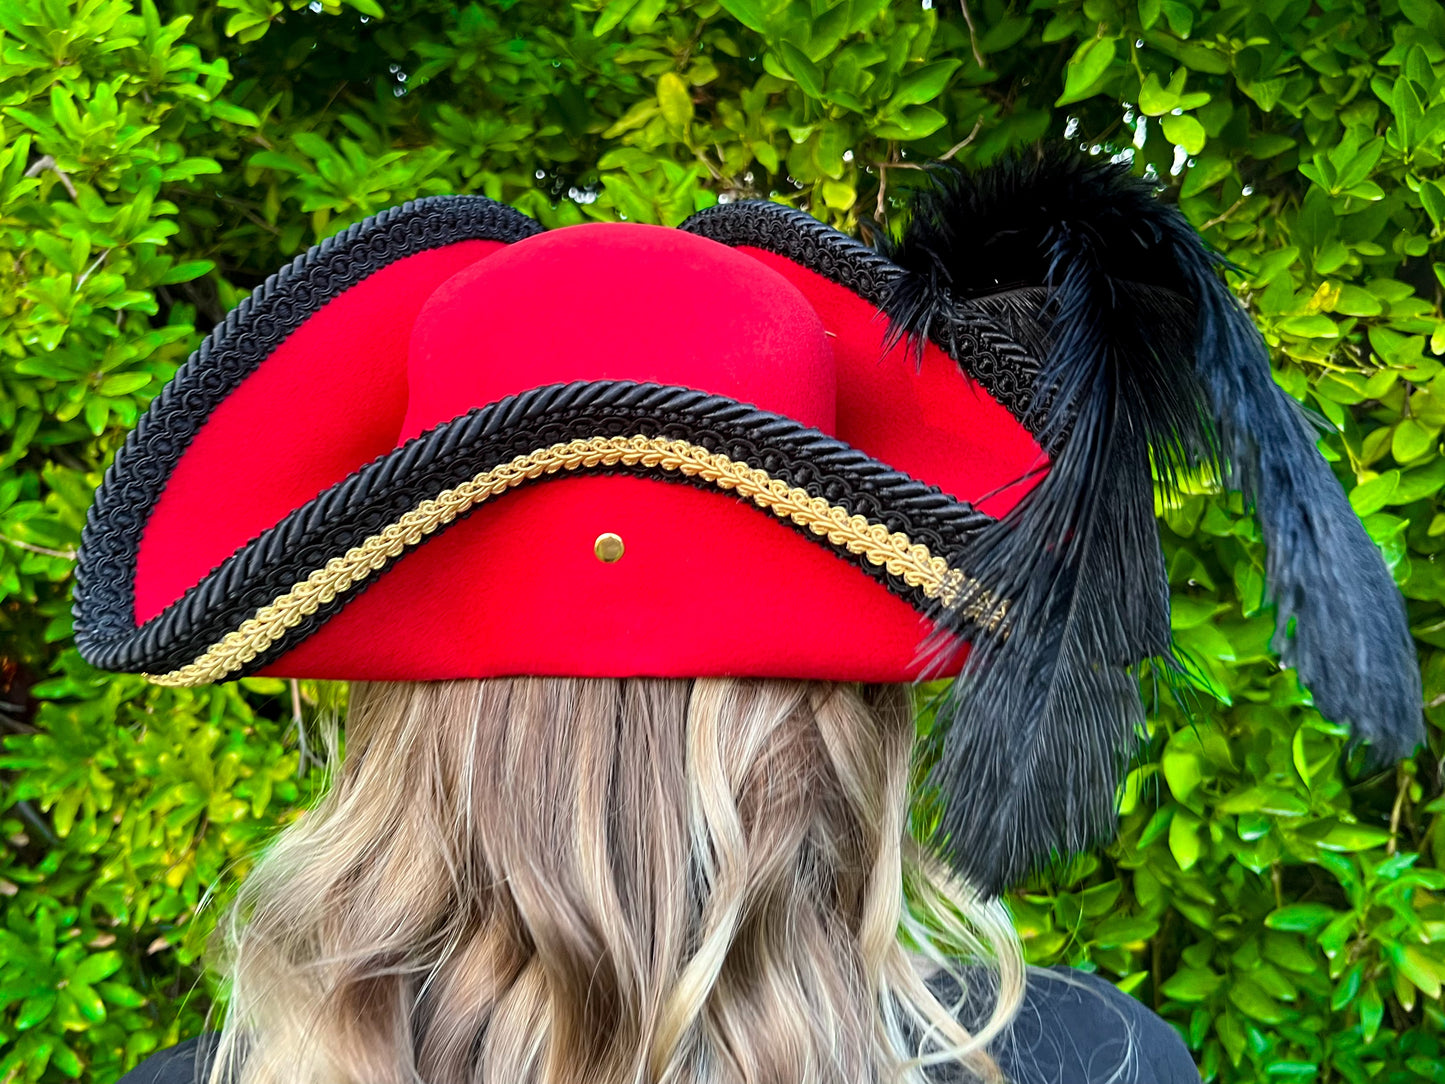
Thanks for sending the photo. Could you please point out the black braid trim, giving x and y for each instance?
(105, 569)
(378, 494)
(984, 348)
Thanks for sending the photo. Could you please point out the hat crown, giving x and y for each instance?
(618, 301)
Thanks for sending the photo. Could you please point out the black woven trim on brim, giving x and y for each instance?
(983, 347)
(251, 332)
(378, 494)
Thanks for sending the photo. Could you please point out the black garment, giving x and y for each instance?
(1076, 1028)
(1073, 1028)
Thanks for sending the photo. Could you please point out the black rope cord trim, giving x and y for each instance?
(972, 337)
(365, 502)
(105, 570)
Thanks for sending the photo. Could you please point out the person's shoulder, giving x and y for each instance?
(176, 1064)
(1076, 1028)
(1073, 1028)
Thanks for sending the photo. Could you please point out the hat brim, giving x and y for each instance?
(281, 587)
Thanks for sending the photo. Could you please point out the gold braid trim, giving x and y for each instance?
(894, 551)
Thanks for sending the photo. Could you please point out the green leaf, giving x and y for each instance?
(751, 13)
(1312, 325)
(915, 122)
(1124, 930)
(1154, 99)
(1419, 483)
(1372, 1011)
(1421, 12)
(612, 14)
(234, 114)
(121, 995)
(1061, 25)
(1182, 770)
(1424, 970)
(1300, 917)
(102, 965)
(1347, 988)
(1231, 1036)
(1191, 984)
(64, 1059)
(1254, 1002)
(1357, 301)
(1354, 837)
(1184, 131)
(1262, 798)
(1413, 440)
(1207, 172)
(251, 25)
(1266, 94)
(1087, 68)
(34, 1010)
(674, 100)
(1184, 840)
(1180, 16)
(96, 414)
(187, 271)
(1004, 34)
(804, 71)
(123, 383)
(838, 195)
(86, 1000)
(1333, 255)
(1373, 494)
(1186, 613)
(1432, 198)
(1293, 1069)
(923, 85)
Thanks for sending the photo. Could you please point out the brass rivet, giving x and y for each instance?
(608, 548)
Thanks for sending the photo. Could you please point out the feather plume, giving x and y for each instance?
(1148, 360)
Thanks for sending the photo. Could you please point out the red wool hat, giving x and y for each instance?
(447, 443)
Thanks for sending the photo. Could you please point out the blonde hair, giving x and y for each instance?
(641, 881)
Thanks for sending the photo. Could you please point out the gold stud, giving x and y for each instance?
(608, 548)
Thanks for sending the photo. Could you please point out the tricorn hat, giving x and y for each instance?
(448, 443)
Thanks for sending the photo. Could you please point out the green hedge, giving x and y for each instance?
(1281, 906)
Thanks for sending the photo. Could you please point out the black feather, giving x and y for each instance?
(1148, 360)
(1341, 622)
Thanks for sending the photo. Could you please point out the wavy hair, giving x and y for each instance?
(587, 881)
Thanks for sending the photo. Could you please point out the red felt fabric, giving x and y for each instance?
(927, 419)
(328, 400)
(619, 301)
(708, 585)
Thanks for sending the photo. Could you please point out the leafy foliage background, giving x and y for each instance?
(1275, 900)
